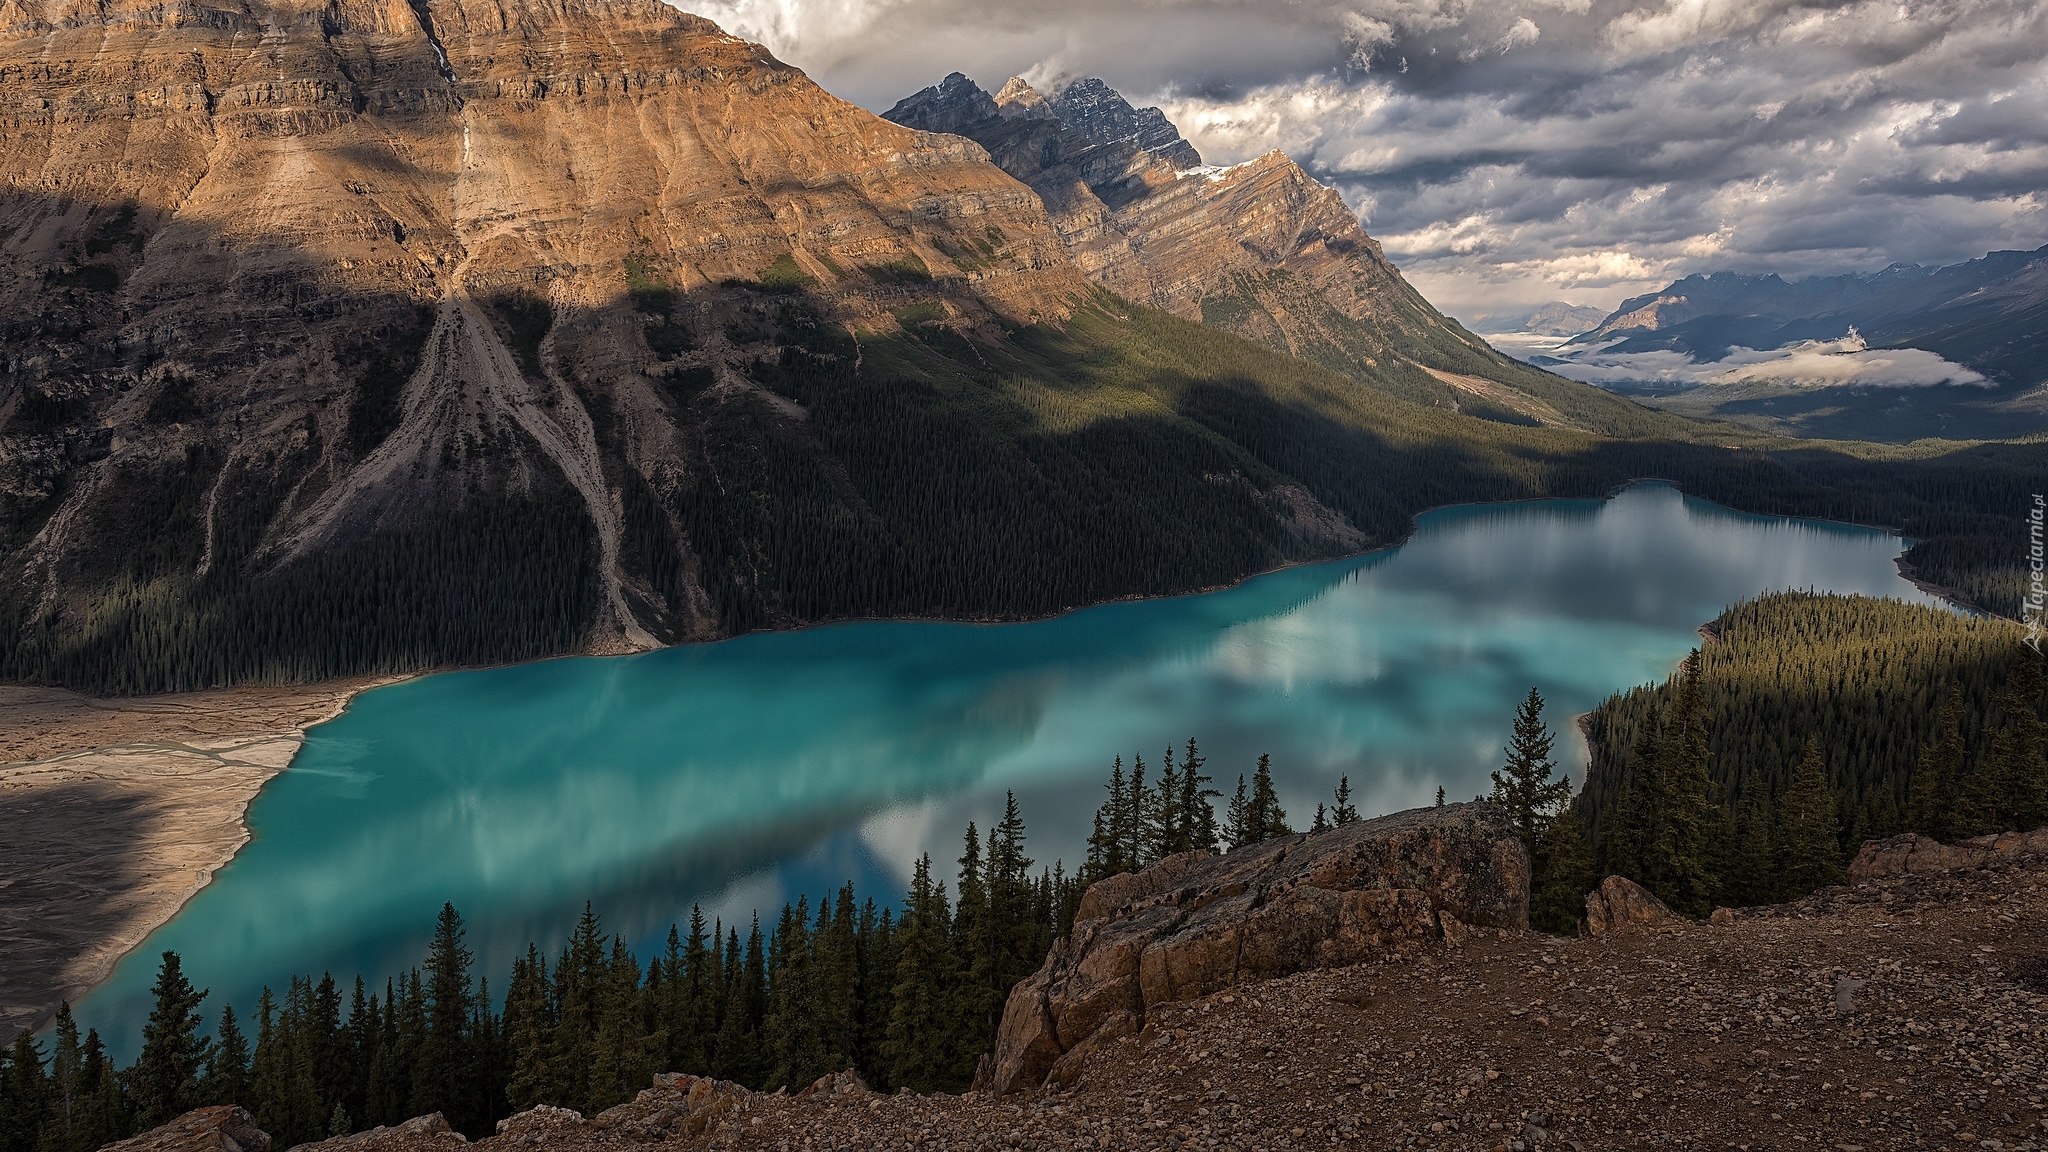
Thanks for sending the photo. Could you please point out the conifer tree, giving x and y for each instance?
(1931, 800)
(227, 1065)
(1566, 875)
(165, 1078)
(1164, 830)
(1197, 817)
(1681, 847)
(1523, 785)
(528, 1024)
(920, 1041)
(1343, 811)
(1807, 828)
(1750, 874)
(440, 1080)
(66, 1127)
(24, 1095)
(1322, 821)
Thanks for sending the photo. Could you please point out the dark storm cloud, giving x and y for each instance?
(1519, 150)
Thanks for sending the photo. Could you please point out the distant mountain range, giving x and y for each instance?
(1990, 314)
(1557, 318)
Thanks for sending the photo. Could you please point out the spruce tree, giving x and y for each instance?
(440, 1074)
(1322, 821)
(1197, 819)
(1523, 785)
(1238, 831)
(66, 1129)
(24, 1095)
(1807, 828)
(1343, 811)
(1269, 819)
(1681, 846)
(227, 1065)
(1558, 899)
(165, 1077)
(1931, 799)
(922, 1029)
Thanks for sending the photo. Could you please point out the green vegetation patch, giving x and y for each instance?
(911, 269)
(376, 407)
(651, 295)
(783, 277)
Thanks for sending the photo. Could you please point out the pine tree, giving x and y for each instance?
(440, 1075)
(1322, 820)
(1931, 799)
(1343, 812)
(1237, 818)
(227, 1065)
(1807, 828)
(1680, 848)
(108, 1116)
(66, 1127)
(1439, 795)
(1749, 876)
(1523, 785)
(1106, 840)
(1197, 819)
(165, 1078)
(24, 1095)
(1564, 877)
(1164, 833)
(921, 1036)
(1269, 818)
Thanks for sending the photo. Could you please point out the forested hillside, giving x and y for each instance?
(922, 473)
(1809, 724)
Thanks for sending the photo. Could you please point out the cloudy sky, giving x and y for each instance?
(1510, 152)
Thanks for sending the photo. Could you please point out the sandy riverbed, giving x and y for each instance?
(113, 813)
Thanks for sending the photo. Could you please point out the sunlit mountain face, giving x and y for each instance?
(1512, 154)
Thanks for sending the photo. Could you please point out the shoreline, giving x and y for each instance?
(114, 814)
(212, 781)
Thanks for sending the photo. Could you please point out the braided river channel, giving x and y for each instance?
(739, 774)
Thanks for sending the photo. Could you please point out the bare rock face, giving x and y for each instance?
(1197, 923)
(359, 261)
(223, 1128)
(1261, 249)
(1913, 852)
(1621, 905)
(429, 1133)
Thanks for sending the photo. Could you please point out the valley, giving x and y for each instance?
(492, 492)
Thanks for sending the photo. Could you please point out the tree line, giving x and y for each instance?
(1812, 723)
(908, 996)
(1123, 453)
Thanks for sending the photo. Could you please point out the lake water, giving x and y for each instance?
(742, 773)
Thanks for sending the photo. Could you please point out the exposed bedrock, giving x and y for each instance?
(1197, 923)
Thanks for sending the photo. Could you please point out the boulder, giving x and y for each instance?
(223, 1128)
(1622, 905)
(1912, 852)
(1197, 923)
(429, 1133)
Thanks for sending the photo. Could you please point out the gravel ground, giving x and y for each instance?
(1898, 1014)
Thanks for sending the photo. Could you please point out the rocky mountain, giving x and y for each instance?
(1990, 314)
(365, 337)
(1259, 249)
(1559, 318)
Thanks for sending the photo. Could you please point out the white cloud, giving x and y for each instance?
(1505, 147)
(1812, 364)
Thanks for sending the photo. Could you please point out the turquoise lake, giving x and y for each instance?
(740, 774)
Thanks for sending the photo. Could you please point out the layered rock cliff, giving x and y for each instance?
(1198, 923)
(363, 337)
(390, 257)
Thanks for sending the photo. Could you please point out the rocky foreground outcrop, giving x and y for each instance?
(223, 1128)
(1897, 1013)
(1198, 923)
(1913, 852)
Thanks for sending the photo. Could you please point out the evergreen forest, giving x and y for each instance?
(1808, 724)
(933, 474)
